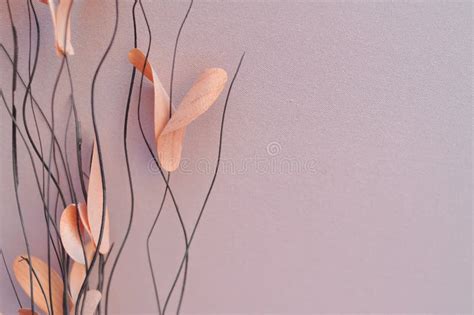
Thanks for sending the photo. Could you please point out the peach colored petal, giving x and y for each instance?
(169, 149)
(78, 272)
(91, 302)
(84, 219)
(52, 10)
(162, 100)
(197, 101)
(94, 205)
(169, 133)
(70, 237)
(26, 311)
(63, 27)
(199, 98)
(137, 58)
(22, 274)
(162, 106)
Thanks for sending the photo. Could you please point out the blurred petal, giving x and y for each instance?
(63, 27)
(78, 272)
(91, 302)
(199, 98)
(197, 101)
(137, 58)
(95, 199)
(169, 149)
(84, 218)
(22, 274)
(69, 229)
(161, 99)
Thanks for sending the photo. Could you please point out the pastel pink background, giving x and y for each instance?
(369, 101)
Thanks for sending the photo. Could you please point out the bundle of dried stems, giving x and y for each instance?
(80, 240)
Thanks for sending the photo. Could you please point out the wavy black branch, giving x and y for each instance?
(211, 185)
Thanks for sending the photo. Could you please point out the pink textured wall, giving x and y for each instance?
(370, 102)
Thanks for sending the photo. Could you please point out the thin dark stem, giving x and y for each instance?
(31, 100)
(100, 277)
(175, 51)
(35, 173)
(35, 120)
(168, 177)
(148, 251)
(78, 134)
(212, 182)
(40, 154)
(55, 88)
(36, 177)
(49, 306)
(14, 150)
(108, 254)
(22, 223)
(67, 168)
(45, 119)
(50, 158)
(78, 229)
(99, 152)
(129, 175)
(155, 160)
(10, 278)
(166, 180)
(168, 174)
(185, 276)
(65, 142)
(155, 286)
(32, 159)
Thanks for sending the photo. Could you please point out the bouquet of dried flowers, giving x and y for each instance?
(79, 239)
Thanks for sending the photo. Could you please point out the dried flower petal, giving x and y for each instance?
(197, 101)
(63, 27)
(137, 58)
(69, 228)
(169, 149)
(61, 17)
(95, 199)
(199, 98)
(91, 302)
(169, 133)
(84, 218)
(162, 100)
(78, 272)
(22, 274)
